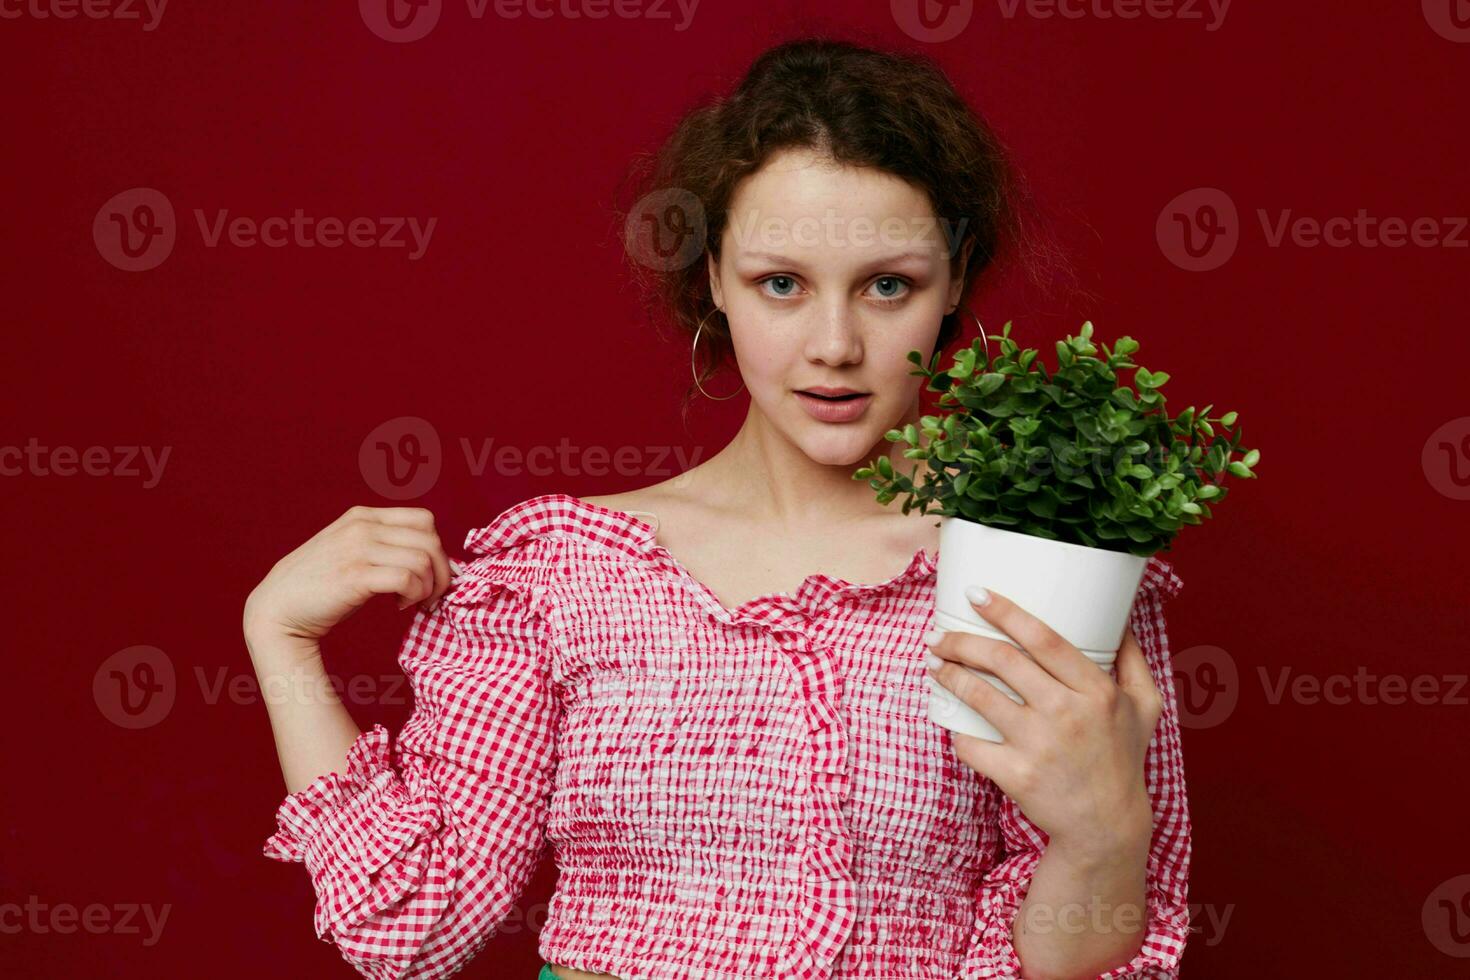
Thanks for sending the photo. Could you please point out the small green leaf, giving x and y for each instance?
(989, 383)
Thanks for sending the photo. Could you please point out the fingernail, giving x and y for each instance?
(977, 595)
(933, 637)
(932, 662)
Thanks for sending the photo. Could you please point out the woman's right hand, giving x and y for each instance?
(367, 551)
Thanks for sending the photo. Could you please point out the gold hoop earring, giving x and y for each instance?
(982, 330)
(695, 372)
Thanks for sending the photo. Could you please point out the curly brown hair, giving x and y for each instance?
(860, 106)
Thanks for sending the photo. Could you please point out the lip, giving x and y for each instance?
(824, 390)
(825, 411)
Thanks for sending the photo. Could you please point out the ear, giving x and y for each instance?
(712, 268)
(956, 288)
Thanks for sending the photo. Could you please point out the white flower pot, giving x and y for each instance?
(1085, 594)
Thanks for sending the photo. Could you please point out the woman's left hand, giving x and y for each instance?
(1073, 753)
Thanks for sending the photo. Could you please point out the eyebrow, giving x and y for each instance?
(881, 260)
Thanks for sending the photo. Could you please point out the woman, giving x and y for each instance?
(732, 761)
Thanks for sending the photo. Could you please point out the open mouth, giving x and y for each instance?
(834, 398)
(846, 407)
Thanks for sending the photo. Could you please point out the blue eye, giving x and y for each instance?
(785, 279)
(895, 283)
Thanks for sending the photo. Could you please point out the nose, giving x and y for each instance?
(834, 338)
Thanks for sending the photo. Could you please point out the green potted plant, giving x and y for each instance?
(1055, 487)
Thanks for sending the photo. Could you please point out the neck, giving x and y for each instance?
(764, 475)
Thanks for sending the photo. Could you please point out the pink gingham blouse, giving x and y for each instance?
(727, 793)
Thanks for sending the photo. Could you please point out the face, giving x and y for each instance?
(829, 277)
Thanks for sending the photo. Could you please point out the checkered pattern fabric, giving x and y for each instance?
(753, 792)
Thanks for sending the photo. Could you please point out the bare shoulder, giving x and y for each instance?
(681, 515)
(663, 499)
(641, 499)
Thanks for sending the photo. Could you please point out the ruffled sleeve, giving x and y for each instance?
(991, 952)
(415, 865)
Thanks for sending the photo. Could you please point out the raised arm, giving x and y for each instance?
(416, 864)
(367, 551)
(1163, 923)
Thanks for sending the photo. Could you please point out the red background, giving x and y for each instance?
(1320, 829)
